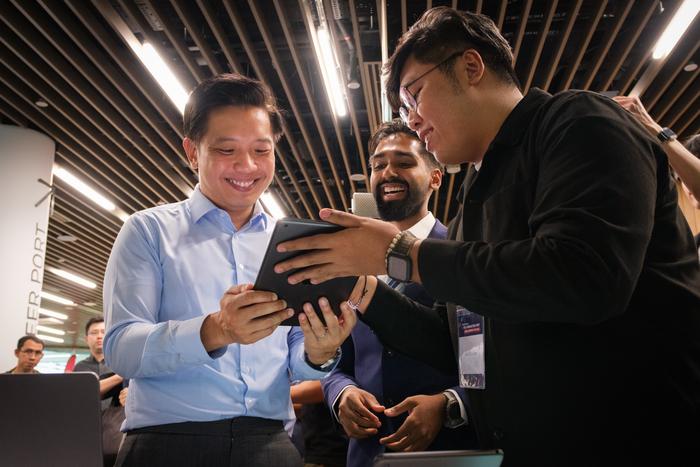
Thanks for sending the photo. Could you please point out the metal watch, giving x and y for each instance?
(666, 134)
(325, 366)
(398, 259)
(453, 411)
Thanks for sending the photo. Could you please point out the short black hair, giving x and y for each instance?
(29, 337)
(442, 31)
(224, 90)
(93, 320)
(397, 126)
(692, 144)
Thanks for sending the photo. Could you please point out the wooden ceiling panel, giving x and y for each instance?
(116, 129)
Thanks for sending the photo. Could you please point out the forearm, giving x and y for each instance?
(108, 384)
(307, 392)
(686, 165)
(411, 328)
(138, 349)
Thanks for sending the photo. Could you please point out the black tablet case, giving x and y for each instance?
(335, 290)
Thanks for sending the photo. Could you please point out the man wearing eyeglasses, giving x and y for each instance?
(29, 351)
(570, 282)
(113, 391)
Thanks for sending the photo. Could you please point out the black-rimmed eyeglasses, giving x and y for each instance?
(408, 100)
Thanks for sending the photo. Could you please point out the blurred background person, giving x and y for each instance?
(29, 351)
(112, 390)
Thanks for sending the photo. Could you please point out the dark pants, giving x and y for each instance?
(242, 441)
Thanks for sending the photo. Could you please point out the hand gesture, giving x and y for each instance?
(337, 254)
(321, 342)
(122, 396)
(245, 317)
(633, 105)
(426, 414)
(356, 413)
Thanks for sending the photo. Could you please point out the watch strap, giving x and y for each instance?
(666, 134)
(325, 366)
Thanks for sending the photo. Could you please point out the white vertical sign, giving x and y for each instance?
(26, 157)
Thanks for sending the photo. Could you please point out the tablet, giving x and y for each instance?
(335, 290)
(440, 459)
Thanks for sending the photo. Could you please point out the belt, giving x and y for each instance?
(230, 427)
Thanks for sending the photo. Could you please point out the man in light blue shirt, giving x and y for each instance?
(209, 364)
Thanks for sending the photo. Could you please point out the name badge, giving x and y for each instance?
(472, 363)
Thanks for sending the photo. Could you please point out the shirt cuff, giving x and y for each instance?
(303, 371)
(337, 400)
(188, 342)
(462, 409)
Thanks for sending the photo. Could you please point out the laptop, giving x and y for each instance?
(51, 419)
(440, 459)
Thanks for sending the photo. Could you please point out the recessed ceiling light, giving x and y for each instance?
(66, 238)
(72, 277)
(41, 103)
(56, 298)
(357, 177)
(691, 66)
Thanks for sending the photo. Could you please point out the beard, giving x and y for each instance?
(400, 209)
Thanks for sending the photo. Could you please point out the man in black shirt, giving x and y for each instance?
(569, 244)
(111, 388)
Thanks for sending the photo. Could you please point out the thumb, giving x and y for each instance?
(339, 217)
(403, 406)
(373, 403)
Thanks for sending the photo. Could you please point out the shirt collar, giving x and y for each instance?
(423, 227)
(517, 122)
(200, 205)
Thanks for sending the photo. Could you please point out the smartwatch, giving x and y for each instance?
(666, 134)
(453, 411)
(398, 259)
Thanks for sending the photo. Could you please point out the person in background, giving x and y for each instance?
(570, 280)
(112, 390)
(425, 408)
(209, 367)
(321, 441)
(684, 158)
(29, 351)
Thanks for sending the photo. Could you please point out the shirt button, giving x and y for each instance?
(389, 353)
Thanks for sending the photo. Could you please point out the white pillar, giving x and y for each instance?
(25, 157)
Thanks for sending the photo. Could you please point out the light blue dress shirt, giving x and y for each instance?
(169, 267)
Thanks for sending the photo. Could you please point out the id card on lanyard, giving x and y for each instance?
(470, 336)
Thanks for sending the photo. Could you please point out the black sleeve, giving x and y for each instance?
(406, 326)
(590, 225)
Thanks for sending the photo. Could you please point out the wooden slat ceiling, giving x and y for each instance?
(116, 129)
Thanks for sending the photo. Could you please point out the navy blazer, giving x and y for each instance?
(392, 377)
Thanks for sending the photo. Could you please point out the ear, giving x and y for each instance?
(17, 353)
(435, 179)
(474, 66)
(191, 151)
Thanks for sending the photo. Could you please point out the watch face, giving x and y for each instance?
(398, 267)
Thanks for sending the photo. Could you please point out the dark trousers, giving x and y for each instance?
(239, 442)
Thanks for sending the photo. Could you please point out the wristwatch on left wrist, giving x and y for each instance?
(453, 411)
(666, 134)
(325, 366)
(398, 259)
